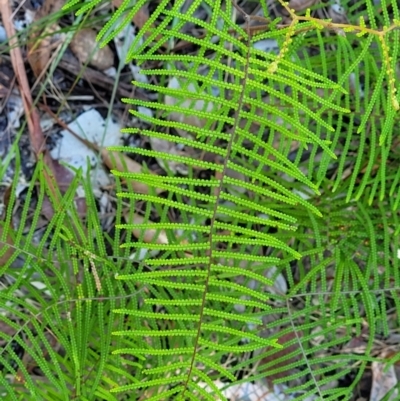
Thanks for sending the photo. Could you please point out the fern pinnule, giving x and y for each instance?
(174, 302)
(83, 8)
(177, 158)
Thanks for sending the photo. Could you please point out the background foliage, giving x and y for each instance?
(292, 172)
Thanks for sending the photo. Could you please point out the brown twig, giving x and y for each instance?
(32, 116)
(99, 78)
(36, 136)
